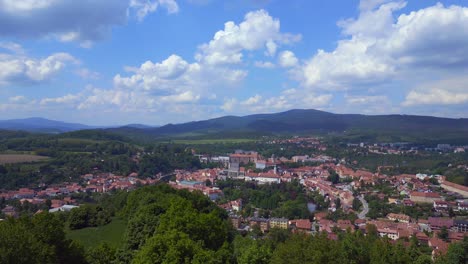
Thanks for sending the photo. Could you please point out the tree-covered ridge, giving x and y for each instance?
(300, 121)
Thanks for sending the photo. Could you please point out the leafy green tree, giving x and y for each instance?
(102, 254)
(173, 247)
(356, 204)
(443, 234)
(40, 239)
(334, 177)
(457, 253)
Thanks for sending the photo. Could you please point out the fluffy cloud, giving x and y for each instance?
(178, 85)
(264, 64)
(252, 100)
(20, 69)
(367, 104)
(66, 99)
(435, 37)
(445, 92)
(12, 47)
(185, 97)
(178, 81)
(144, 7)
(258, 30)
(84, 21)
(288, 99)
(380, 47)
(287, 59)
(366, 100)
(17, 99)
(229, 104)
(87, 74)
(175, 76)
(159, 76)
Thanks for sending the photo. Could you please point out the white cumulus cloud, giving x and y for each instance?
(445, 92)
(258, 31)
(84, 21)
(287, 59)
(380, 47)
(21, 69)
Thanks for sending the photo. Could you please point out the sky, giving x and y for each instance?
(115, 62)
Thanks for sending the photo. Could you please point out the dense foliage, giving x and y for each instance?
(88, 216)
(276, 200)
(40, 239)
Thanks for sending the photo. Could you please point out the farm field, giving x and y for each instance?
(20, 158)
(112, 234)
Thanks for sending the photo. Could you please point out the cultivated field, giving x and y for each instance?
(20, 158)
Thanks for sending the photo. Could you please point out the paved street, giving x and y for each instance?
(365, 210)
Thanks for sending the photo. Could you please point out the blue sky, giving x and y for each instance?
(109, 62)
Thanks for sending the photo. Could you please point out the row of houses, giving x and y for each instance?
(266, 224)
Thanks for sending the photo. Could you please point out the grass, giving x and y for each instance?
(112, 234)
(20, 158)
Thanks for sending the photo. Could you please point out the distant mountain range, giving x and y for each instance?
(362, 127)
(43, 125)
(37, 124)
(293, 122)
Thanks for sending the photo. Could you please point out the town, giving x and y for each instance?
(439, 208)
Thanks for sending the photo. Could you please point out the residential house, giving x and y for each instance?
(460, 225)
(279, 223)
(441, 206)
(345, 225)
(439, 247)
(235, 221)
(262, 223)
(63, 208)
(453, 187)
(399, 217)
(301, 225)
(25, 193)
(436, 223)
(408, 202)
(462, 206)
(10, 211)
(424, 197)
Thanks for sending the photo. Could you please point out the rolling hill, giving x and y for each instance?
(37, 124)
(353, 127)
(359, 127)
(43, 125)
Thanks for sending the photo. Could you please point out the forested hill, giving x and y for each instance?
(294, 122)
(37, 124)
(314, 121)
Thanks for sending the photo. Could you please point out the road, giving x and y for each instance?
(166, 178)
(365, 210)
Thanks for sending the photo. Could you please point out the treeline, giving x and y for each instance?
(88, 216)
(287, 150)
(165, 158)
